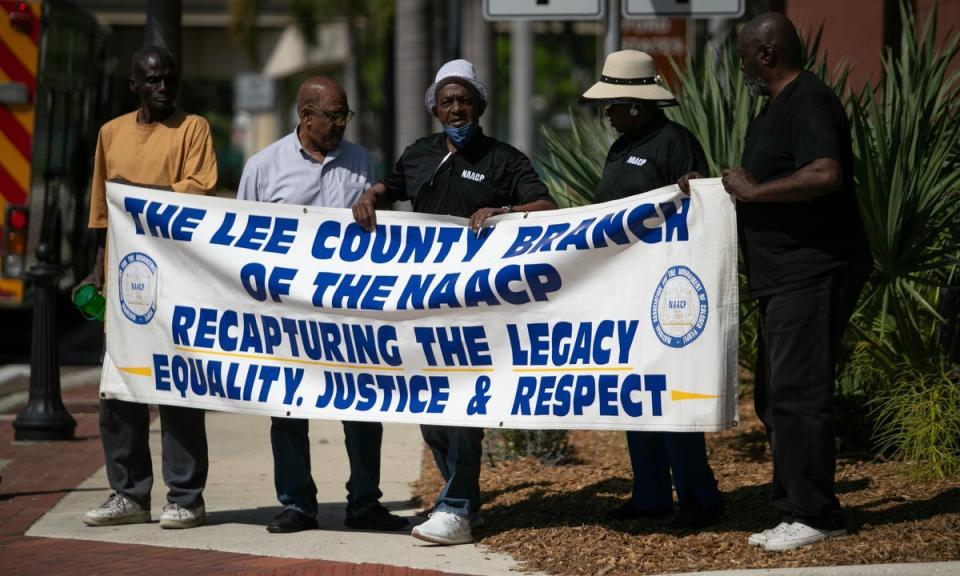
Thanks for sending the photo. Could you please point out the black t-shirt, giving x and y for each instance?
(787, 245)
(487, 173)
(653, 157)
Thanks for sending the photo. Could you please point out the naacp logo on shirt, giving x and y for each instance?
(138, 287)
(679, 308)
(636, 160)
(471, 175)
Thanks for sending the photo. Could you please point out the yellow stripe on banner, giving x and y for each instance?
(576, 369)
(20, 44)
(288, 360)
(677, 395)
(141, 371)
(22, 112)
(15, 163)
(458, 370)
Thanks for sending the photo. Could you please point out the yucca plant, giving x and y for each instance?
(714, 104)
(907, 138)
(574, 160)
(907, 145)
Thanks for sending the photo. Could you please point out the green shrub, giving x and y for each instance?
(918, 418)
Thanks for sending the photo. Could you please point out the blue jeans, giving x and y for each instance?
(653, 455)
(292, 477)
(457, 451)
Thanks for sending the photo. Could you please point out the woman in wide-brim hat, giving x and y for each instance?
(653, 152)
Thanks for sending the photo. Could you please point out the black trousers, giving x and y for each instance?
(125, 434)
(292, 474)
(799, 332)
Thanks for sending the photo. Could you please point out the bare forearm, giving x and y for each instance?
(535, 206)
(792, 189)
(817, 178)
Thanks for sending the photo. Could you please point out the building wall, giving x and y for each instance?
(852, 33)
(948, 19)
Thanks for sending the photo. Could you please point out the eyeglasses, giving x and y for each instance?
(334, 117)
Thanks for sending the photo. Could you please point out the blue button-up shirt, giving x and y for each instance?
(285, 172)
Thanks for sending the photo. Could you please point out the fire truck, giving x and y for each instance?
(56, 89)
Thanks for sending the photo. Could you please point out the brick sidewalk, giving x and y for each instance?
(38, 474)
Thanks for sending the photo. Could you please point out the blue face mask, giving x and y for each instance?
(459, 136)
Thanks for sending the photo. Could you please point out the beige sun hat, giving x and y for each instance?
(628, 75)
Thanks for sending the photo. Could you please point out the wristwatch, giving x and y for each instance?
(507, 209)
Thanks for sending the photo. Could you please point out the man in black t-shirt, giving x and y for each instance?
(458, 172)
(806, 257)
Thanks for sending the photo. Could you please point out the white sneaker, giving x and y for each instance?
(444, 528)
(176, 516)
(758, 538)
(796, 535)
(116, 510)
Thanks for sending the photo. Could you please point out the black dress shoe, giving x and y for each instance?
(292, 520)
(627, 511)
(376, 518)
(694, 516)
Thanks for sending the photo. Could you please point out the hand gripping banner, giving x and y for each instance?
(620, 315)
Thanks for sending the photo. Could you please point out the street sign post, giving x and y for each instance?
(544, 9)
(683, 8)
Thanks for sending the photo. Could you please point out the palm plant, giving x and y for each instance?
(907, 145)
(907, 133)
(574, 160)
(714, 104)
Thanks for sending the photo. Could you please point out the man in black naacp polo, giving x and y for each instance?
(459, 172)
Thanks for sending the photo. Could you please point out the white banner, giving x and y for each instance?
(620, 315)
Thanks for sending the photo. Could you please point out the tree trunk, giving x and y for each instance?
(475, 46)
(411, 72)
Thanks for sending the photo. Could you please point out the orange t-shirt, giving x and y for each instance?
(177, 152)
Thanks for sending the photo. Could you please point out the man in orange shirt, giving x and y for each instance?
(160, 147)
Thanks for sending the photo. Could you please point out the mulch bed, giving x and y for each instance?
(550, 518)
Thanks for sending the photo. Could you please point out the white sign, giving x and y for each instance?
(544, 9)
(683, 8)
(253, 93)
(620, 315)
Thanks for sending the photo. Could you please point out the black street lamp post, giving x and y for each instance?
(45, 417)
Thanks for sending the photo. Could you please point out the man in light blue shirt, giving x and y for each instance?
(315, 166)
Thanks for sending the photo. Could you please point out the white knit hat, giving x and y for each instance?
(628, 75)
(461, 69)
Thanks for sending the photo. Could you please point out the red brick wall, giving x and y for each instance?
(852, 33)
(948, 16)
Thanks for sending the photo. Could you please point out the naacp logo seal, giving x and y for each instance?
(138, 287)
(679, 308)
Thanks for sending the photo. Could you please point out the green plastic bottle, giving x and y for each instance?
(90, 302)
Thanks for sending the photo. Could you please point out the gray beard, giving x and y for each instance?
(756, 85)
